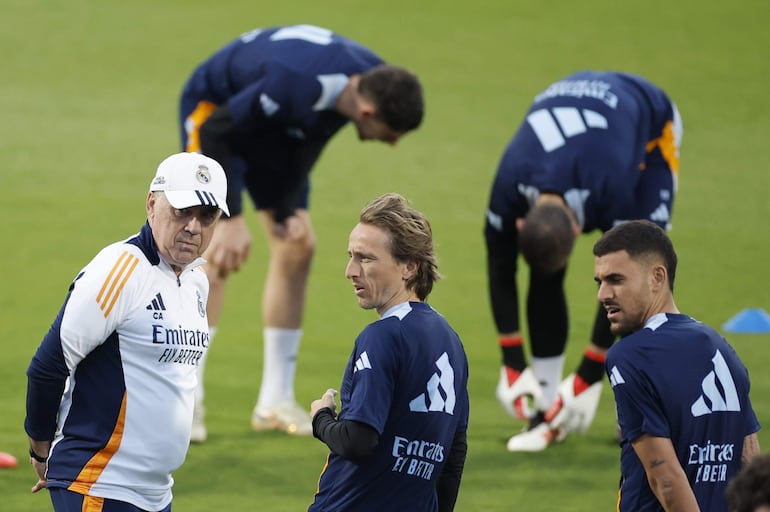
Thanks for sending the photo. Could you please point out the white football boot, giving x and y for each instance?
(515, 391)
(288, 417)
(535, 439)
(574, 413)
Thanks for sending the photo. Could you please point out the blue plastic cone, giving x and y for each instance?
(751, 320)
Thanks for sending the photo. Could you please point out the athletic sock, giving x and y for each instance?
(590, 371)
(548, 371)
(513, 352)
(279, 366)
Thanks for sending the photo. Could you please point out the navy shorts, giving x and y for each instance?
(68, 501)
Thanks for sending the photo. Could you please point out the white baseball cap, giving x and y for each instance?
(192, 179)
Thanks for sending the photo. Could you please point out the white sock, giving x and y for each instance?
(279, 366)
(548, 371)
(200, 369)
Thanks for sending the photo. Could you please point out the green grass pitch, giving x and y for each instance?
(89, 98)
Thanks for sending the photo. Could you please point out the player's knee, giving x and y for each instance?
(295, 254)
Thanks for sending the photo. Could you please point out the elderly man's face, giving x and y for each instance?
(181, 235)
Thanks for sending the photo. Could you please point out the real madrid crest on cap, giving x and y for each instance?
(203, 174)
(192, 179)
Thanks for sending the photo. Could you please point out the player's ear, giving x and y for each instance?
(659, 276)
(366, 109)
(410, 270)
(150, 203)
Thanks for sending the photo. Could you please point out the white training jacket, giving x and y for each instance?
(112, 382)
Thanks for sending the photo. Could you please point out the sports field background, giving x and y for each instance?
(88, 98)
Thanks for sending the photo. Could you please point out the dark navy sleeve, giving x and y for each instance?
(349, 439)
(448, 484)
(372, 389)
(46, 377)
(751, 424)
(245, 108)
(279, 97)
(638, 405)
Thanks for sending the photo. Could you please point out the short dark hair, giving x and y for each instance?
(411, 238)
(547, 238)
(640, 238)
(750, 488)
(397, 95)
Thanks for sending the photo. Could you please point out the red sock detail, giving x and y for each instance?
(511, 375)
(595, 356)
(520, 406)
(554, 409)
(510, 341)
(579, 385)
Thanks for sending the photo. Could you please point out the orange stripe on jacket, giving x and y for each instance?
(109, 276)
(93, 469)
(115, 282)
(92, 504)
(130, 271)
(668, 148)
(192, 125)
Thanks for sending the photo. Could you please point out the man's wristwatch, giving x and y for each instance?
(37, 457)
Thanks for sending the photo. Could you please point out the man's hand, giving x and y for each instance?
(41, 448)
(327, 400)
(40, 469)
(230, 245)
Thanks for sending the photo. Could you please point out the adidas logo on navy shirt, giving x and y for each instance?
(362, 363)
(443, 381)
(269, 106)
(661, 214)
(615, 377)
(717, 379)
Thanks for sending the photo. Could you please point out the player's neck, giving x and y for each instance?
(347, 101)
(666, 304)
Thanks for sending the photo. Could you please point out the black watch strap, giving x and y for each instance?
(36, 456)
